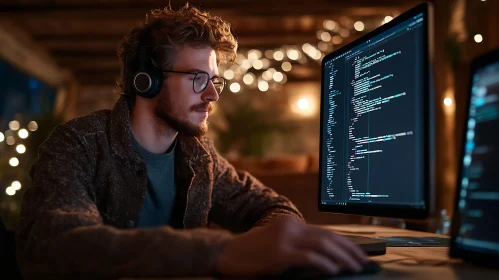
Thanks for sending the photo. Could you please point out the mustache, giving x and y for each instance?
(203, 106)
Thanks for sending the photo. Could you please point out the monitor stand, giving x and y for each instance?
(376, 245)
(408, 241)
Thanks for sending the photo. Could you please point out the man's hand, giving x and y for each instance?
(287, 243)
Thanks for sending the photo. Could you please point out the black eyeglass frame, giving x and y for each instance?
(206, 85)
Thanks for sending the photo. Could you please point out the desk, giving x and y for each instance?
(406, 262)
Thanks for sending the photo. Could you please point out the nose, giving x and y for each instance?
(210, 93)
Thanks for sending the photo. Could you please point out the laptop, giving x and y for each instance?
(475, 225)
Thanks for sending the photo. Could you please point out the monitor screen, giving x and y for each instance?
(478, 193)
(374, 114)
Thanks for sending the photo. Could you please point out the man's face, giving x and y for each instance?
(177, 104)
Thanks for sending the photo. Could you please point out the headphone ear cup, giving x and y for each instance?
(148, 85)
(156, 82)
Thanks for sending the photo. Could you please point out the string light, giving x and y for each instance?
(2, 137)
(33, 126)
(265, 62)
(10, 191)
(278, 55)
(229, 74)
(269, 54)
(257, 64)
(267, 75)
(254, 54)
(21, 148)
(478, 38)
(337, 40)
(23, 133)
(248, 78)
(344, 33)
(325, 36)
(263, 86)
(329, 24)
(448, 101)
(323, 46)
(359, 26)
(293, 54)
(14, 125)
(286, 66)
(302, 103)
(10, 140)
(387, 19)
(278, 76)
(14, 162)
(246, 64)
(235, 87)
(16, 185)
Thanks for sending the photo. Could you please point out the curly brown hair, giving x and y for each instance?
(165, 30)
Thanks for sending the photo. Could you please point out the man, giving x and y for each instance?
(130, 192)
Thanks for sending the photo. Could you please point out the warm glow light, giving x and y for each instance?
(10, 191)
(302, 103)
(388, 19)
(344, 33)
(235, 87)
(229, 74)
(278, 55)
(323, 46)
(293, 54)
(317, 55)
(257, 64)
(267, 75)
(265, 62)
(329, 24)
(246, 64)
(10, 140)
(359, 26)
(337, 40)
(2, 137)
(303, 106)
(14, 162)
(16, 185)
(448, 101)
(248, 78)
(33, 126)
(14, 125)
(478, 38)
(325, 36)
(254, 54)
(23, 133)
(307, 47)
(286, 66)
(21, 148)
(263, 86)
(278, 76)
(269, 54)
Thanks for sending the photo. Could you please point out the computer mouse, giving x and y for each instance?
(304, 273)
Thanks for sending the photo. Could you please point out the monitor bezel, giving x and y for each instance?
(384, 210)
(484, 259)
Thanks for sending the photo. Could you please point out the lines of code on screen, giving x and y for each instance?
(372, 146)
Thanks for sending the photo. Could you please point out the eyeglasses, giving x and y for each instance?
(201, 80)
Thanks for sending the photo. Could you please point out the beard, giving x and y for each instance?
(164, 110)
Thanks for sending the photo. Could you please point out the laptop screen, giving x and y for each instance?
(478, 197)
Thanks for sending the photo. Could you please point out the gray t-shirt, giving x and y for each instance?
(161, 191)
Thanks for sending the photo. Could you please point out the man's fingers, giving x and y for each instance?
(326, 246)
(348, 245)
(307, 258)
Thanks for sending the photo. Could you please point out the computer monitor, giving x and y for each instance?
(475, 227)
(376, 136)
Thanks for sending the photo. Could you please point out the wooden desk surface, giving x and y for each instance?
(406, 262)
